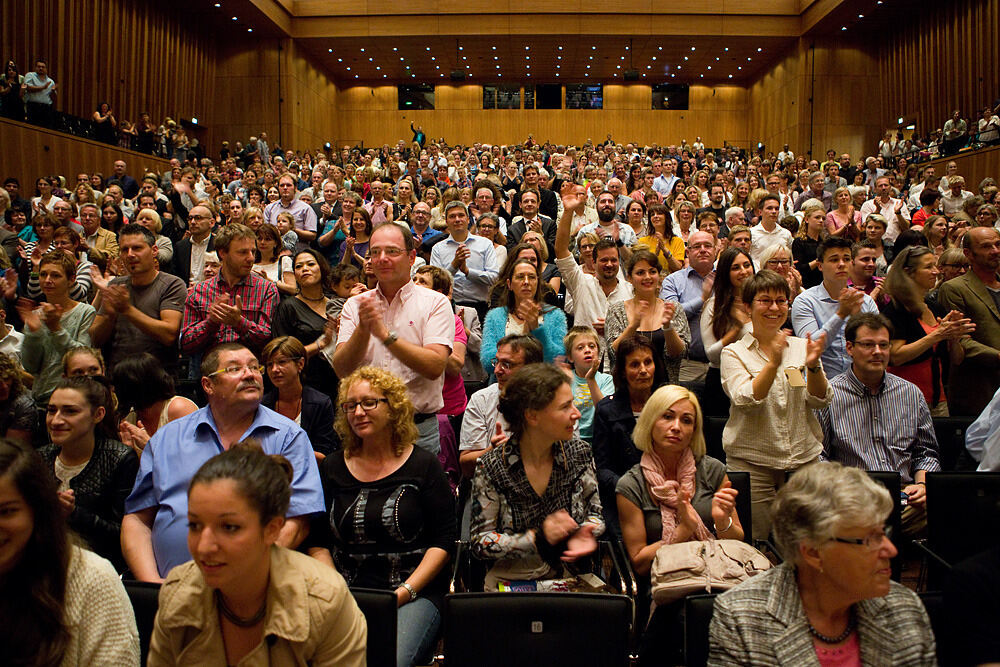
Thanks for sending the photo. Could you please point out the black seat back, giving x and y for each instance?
(959, 506)
(892, 482)
(145, 599)
(502, 629)
(379, 608)
(741, 482)
(950, 433)
(697, 617)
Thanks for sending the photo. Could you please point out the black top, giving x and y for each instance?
(804, 251)
(614, 452)
(293, 317)
(378, 532)
(100, 490)
(316, 420)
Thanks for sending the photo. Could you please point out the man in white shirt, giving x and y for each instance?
(786, 205)
(954, 199)
(895, 213)
(401, 327)
(39, 93)
(664, 176)
(767, 232)
(930, 180)
(591, 294)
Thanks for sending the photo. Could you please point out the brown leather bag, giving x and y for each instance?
(703, 566)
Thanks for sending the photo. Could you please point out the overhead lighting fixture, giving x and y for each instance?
(249, 29)
(843, 27)
(217, 5)
(235, 18)
(759, 49)
(730, 76)
(194, 121)
(433, 58)
(340, 60)
(560, 48)
(362, 50)
(527, 48)
(861, 16)
(329, 50)
(378, 67)
(692, 48)
(395, 48)
(654, 57)
(557, 73)
(727, 48)
(659, 48)
(348, 68)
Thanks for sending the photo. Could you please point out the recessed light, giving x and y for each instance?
(558, 57)
(378, 67)
(623, 57)
(527, 66)
(558, 66)
(355, 76)
(649, 67)
(362, 50)
(371, 59)
(702, 76)
(235, 18)
(557, 73)
(692, 48)
(585, 74)
(496, 57)
(528, 74)
(588, 66)
(527, 48)
(461, 48)
(861, 16)
(498, 66)
(433, 58)
(428, 48)
(560, 48)
(249, 29)
(659, 48)
(626, 48)
(654, 57)
(340, 60)
(749, 59)
(730, 76)
(385, 76)
(401, 59)
(464, 58)
(329, 50)
(740, 67)
(672, 74)
(527, 57)
(727, 48)
(759, 49)
(499, 74)
(348, 68)
(709, 67)
(218, 4)
(437, 67)
(619, 66)
(716, 60)
(685, 57)
(593, 48)
(494, 48)
(843, 27)
(395, 48)
(679, 67)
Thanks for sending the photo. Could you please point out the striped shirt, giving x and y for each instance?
(259, 297)
(890, 430)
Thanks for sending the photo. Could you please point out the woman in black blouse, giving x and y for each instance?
(304, 317)
(95, 472)
(390, 519)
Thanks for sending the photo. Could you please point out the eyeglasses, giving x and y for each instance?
(504, 364)
(767, 303)
(872, 542)
(367, 404)
(779, 262)
(390, 252)
(868, 345)
(256, 369)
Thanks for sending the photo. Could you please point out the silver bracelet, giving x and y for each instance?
(728, 526)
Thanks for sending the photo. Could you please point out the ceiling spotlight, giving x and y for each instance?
(217, 5)
(716, 59)
(329, 50)
(527, 48)
(671, 74)
(528, 66)
(461, 48)
(528, 74)
(557, 73)
(558, 57)
(428, 48)
(679, 67)
(619, 66)
(370, 59)
(649, 67)
(433, 58)
(527, 57)
(749, 58)
(585, 74)
(385, 76)
(395, 48)
(235, 18)
(340, 60)
(249, 29)
(588, 66)
(560, 48)
(362, 50)
(702, 76)
(759, 49)
(709, 67)
(494, 48)
(861, 16)
(659, 48)
(558, 66)
(355, 76)
(464, 58)
(685, 57)
(727, 48)
(623, 57)
(499, 74)
(498, 66)
(378, 67)
(843, 27)
(730, 76)
(692, 48)
(401, 59)
(496, 57)
(593, 48)
(740, 67)
(437, 67)
(348, 68)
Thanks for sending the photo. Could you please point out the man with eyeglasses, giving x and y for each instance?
(483, 427)
(400, 326)
(189, 253)
(154, 528)
(878, 421)
(421, 229)
(471, 260)
(690, 287)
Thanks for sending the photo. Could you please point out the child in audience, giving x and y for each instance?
(286, 225)
(343, 279)
(589, 385)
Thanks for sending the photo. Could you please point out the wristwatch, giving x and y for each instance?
(390, 339)
(411, 590)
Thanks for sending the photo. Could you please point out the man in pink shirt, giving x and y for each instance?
(402, 327)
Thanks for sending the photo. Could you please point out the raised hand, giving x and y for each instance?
(581, 543)
(572, 196)
(669, 309)
(724, 502)
(528, 311)
(26, 309)
(814, 348)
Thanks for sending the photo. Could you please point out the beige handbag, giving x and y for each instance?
(702, 566)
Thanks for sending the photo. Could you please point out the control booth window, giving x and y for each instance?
(543, 96)
(583, 96)
(670, 97)
(501, 97)
(416, 97)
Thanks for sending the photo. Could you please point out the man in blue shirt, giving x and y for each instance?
(154, 529)
(470, 259)
(689, 287)
(830, 304)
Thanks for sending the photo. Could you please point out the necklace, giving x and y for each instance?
(322, 297)
(242, 622)
(851, 623)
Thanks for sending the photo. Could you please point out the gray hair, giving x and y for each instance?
(821, 499)
(772, 250)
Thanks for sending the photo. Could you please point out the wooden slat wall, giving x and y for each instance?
(845, 92)
(29, 152)
(717, 114)
(138, 56)
(945, 56)
(973, 166)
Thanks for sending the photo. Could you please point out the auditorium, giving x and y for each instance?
(498, 334)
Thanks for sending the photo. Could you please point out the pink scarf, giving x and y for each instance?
(666, 492)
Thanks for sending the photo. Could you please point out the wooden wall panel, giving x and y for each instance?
(945, 56)
(840, 114)
(973, 166)
(138, 56)
(717, 114)
(29, 152)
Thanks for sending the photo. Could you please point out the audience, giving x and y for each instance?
(150, 243)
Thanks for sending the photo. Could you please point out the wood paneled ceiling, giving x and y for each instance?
(545, 59)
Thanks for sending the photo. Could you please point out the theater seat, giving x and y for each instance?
(697, 617)
(950, 433)
(379, 608)
(144, 597)
(503, 629)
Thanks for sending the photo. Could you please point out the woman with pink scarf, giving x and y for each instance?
(674, 494)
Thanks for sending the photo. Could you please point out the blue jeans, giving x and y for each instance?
(428, 436)
(418, 623)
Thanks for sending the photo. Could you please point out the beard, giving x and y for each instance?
(606, 215)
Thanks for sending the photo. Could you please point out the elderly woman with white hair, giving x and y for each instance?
(832, 601)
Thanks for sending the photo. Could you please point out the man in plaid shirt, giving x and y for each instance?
(235, 305)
